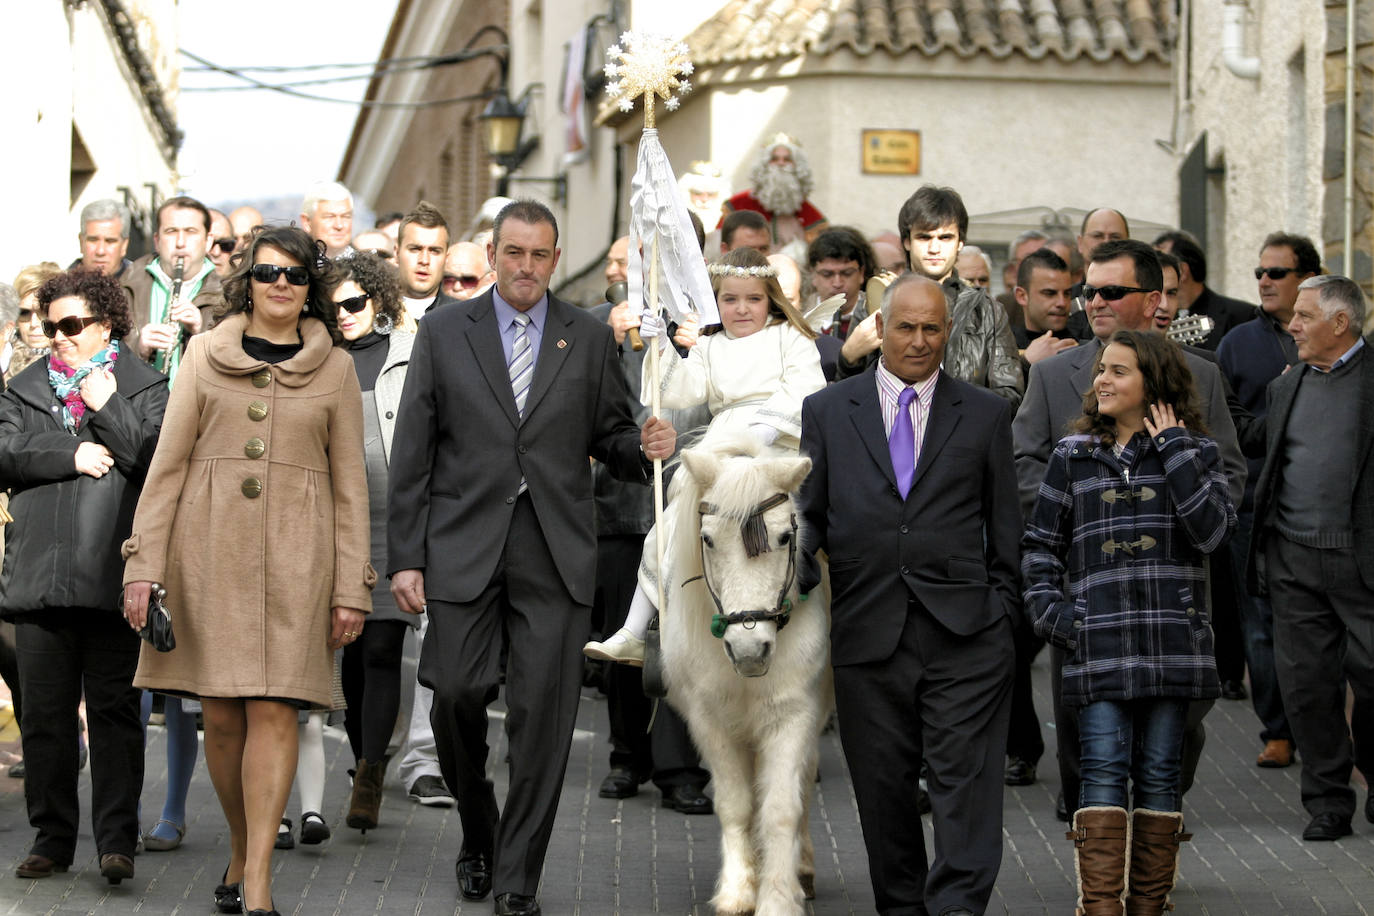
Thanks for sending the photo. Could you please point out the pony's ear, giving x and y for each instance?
(787, 474)
(703, 466)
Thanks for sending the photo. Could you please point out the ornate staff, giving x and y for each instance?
(655, 67)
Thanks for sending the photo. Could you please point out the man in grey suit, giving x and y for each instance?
(491, 530)
(1126, 283)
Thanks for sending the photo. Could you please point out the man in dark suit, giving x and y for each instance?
(1313, 546)
(912, 495)
(491, 530)
(1130, 271)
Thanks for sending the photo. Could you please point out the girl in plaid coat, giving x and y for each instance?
(1129, 508)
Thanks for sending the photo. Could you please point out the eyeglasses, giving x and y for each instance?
(465, 282)
(1274, 273)
(353, 305)
(25, 315)
(268, 273)
(1112, 293)
(225, 246)
(70, 326)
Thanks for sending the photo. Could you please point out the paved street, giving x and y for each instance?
(635, 857)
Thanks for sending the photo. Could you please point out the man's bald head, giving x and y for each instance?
(914, 327)
(465, 270)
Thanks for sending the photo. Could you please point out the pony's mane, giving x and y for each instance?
(742, 483)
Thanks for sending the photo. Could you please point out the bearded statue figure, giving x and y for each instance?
(781, 183)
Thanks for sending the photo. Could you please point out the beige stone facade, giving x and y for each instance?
(89, 113)
(1275, 140)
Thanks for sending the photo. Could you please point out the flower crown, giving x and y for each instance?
(730, 270)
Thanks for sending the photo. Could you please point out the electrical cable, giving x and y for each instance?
(381, 68)
(457, 57)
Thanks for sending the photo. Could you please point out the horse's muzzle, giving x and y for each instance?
(752, 665)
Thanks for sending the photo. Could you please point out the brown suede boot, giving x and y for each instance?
(1155, 836)
(1101, 837)
(367, 795)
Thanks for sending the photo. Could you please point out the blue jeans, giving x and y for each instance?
(1140, 739)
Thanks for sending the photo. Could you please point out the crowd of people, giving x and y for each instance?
(312, 443)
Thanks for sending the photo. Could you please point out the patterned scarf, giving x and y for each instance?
(66, 382)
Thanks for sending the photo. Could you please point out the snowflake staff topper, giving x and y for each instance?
(647, 65)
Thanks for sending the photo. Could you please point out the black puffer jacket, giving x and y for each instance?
(62, 550)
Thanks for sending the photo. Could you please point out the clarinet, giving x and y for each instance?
(178, 272)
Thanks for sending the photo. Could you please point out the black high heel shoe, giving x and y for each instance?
(271, 912)
(229, 897)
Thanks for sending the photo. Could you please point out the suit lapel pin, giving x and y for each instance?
(562, 343)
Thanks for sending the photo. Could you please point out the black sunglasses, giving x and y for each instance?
(226, 246)
(25, 315)
(1112, 293)
(268, 273)
(466, 282)
(353, 305)
(70, 326)
(1275, 273)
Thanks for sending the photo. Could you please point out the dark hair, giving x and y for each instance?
(737, 219)
(378, 279)
(1309, 262)
(425, 214)
(699, 229)
(930, 208)
(843, 243)
(181, 203)
(1043, 258)
(779, 306)
(1185, 247)
(529, 212)
(103, 295)
(1147, 272)
(388, 218)
(1166, 259)
(1083, 229)
(1167, 380)
(297, 245)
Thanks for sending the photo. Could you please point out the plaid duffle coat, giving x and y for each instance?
(1132, 534)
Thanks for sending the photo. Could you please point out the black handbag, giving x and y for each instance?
(158, 628)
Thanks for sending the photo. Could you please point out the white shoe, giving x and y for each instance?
(624, 647)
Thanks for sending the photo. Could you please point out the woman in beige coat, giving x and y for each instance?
(254, 517)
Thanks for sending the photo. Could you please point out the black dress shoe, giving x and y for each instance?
(228, 897)
(115, 867)
(1327, 827)
(1019, 772)
(620, 782)
(517, 905)
(1233, 690)
(474, 875)
(688, 799)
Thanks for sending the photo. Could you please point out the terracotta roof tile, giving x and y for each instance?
(756, 30)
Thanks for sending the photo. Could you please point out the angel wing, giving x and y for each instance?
(819, 315)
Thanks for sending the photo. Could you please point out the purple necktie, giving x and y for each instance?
(901, 445)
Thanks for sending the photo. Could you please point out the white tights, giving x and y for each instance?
(641, 611)
(310, 763)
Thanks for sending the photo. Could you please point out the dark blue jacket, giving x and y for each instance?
(1132, 535)
(1251, 356)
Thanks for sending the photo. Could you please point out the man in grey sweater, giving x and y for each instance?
(1313, 546)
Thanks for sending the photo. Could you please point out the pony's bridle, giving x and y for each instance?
(755, 537)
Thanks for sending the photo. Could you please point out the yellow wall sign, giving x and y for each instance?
(892, 152)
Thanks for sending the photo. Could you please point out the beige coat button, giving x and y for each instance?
(252, 488)
(254, 447)
(262, 378)
(257, 410)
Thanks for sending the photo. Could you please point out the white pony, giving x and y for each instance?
(747, 664)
